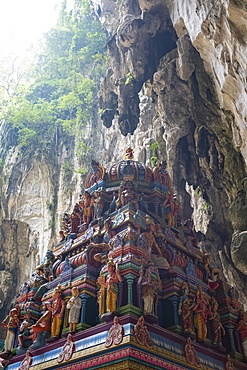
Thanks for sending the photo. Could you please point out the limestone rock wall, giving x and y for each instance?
(178, 78)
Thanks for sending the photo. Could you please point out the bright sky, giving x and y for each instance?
(22, 23)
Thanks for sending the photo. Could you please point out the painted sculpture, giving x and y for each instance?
(217, 328)
(56, 308)
(185, 309)
(110, 284)
(26, 335)
(201, 310)
(11, 323)
(74, 307)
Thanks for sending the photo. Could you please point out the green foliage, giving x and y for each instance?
(64, 84)
(129, 79)
(154, 149)
(68, 168)
(154, 161)
(154, 146)
(198, 191)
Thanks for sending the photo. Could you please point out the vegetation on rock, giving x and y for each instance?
(61, 93)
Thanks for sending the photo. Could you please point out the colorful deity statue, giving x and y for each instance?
(201, 310)
(127, 194)
(185, 309)
(97, 204)
(97, 173)
(168, 208)
(211, 274)
(129, 153)
(75, 219)
(86, 204)
(57, 308)
(25, 330)
(150, 288)
(44, 322)
(46, 265)
(112, 279)
(217, 328)
(153, 247)
(74, 307)
(11, 323)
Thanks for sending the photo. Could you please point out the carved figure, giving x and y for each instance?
(57, 311)
(115, 334)
(161, 175)
(74, 307)
(44, 322)
(150, 288)
(211, 273)
(27, 361)
(242, 329)
(190, 353)
(185, 309)
(46, 265)
(153, 247)
(127, 194)
(67, 350)
(168, 208)
(141, 333)
(10, 323)
(97, 204)
(112, 279)
(86, 204)
(129, 153)
(217, 328)
(25, 330)
(229, 364)
(75, 219)
(201, 310)
(97, 173)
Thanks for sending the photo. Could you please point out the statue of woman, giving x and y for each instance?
(201, 310)
(112, 279)
(74, 307)
(185, 309)
(217, 328)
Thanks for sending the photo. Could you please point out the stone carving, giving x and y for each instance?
(190, 353)
(27, 361)
(115, 334)
(67, 350)
(141, 333)
(229, 364)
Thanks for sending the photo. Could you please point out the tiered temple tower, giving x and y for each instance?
(127, 287)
